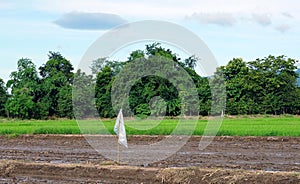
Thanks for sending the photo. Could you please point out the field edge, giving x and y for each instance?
(21, 171)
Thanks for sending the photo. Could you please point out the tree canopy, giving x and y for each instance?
(267, 85)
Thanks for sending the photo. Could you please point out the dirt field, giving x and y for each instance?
(70, 159)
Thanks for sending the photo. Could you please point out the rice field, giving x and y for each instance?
(240, 126)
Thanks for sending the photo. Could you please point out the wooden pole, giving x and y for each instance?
(118, 159)
(118, 156)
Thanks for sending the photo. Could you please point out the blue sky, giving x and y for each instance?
(231, 28)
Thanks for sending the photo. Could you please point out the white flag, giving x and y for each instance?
(120, 129)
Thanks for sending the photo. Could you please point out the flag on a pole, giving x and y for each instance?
(120, 129)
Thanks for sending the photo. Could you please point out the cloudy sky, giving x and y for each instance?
(231, 28)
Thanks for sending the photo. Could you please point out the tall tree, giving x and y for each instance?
(24, 84)
(235, 73)
(57, 64)
(3, 97)
(147, 88)
(274, 79)
(204, 94)
(164, 83)
(84, 95)
(57, 78)
(103, 92)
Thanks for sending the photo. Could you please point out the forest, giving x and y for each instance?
(267, 85)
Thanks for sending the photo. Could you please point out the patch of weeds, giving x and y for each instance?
(129, 137)
(295, 174)
(108, 162)
(12, 136)
(288, 115)
(272, 133)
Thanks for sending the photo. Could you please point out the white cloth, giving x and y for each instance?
(120, 129)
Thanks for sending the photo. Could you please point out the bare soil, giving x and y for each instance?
(70, 159)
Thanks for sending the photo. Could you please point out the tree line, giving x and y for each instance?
(264, 86)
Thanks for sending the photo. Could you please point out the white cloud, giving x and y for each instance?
(286, 14)
(228, 19)
(91, 21)
(222, 19)
(282, 28)
(262, 19)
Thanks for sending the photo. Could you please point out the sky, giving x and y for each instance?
(248, 29)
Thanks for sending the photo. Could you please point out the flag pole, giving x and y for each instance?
(118, 155)
(119, 124)
(118, 159)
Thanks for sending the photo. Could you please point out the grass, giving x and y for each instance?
(242, 126)
(285, 126)
(39, 127)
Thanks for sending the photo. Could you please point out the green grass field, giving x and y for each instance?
(262, 126)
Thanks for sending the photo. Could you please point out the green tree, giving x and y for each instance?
(97, 65)
(25, 91)
(137, 54)
(3, 97)
(84, 95)
(235, 73)
(57, 64)
(191, 62)
(204, 94)
(146, 88)
(274, 81)
(21, 105)
(149, 87)
(218, 93)
(65, 106)
(103, 93)
(57, 78)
